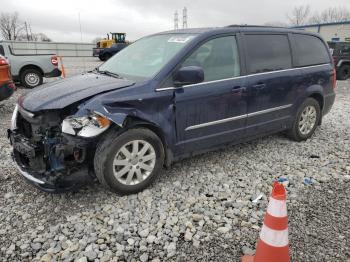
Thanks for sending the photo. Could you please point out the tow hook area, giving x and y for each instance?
(54, 152)
(79, 154)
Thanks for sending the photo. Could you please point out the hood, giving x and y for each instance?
(59, 94)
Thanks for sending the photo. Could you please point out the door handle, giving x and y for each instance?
(259, 86)
(238, 89)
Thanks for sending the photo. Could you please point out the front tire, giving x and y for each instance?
(105, 57)
(343, 72)
(306, 121)
(130, 161)
(31, 78)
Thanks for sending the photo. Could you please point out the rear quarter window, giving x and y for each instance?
(267, 53)
(310, 50)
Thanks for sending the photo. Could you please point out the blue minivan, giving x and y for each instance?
(169, 96)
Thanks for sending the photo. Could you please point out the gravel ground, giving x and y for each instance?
(198, 210)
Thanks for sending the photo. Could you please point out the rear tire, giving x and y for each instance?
(343, 72)
(306, 121)
(31, 78)
(128, 174)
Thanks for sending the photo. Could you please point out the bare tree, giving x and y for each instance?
(332, 14)
(10, 26)
(41, 37)
(299, 15)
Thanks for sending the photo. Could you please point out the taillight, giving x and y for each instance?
(54, 60)
(11, 85)
(334, 75)
(3, 61)
(334, 80)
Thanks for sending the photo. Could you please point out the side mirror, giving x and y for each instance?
(189, 75)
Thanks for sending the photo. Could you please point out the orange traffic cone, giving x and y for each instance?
(273, 242)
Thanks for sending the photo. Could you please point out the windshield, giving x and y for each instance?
(144, 58)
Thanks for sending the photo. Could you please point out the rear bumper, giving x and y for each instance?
(328, 103)
(54, 73)
(96, 51)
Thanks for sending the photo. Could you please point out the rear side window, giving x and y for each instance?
(267, 53)
(2, 52)
(310, 50)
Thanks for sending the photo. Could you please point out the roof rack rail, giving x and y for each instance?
(268, 26)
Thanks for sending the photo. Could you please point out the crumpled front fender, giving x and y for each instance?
(155, 109)
(116, 117)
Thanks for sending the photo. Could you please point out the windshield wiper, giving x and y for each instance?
(109, 73)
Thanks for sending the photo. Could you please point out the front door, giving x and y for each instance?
(212, 112)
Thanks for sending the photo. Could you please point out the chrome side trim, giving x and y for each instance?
(238, 77)
(257, 74)
(269, 110)
(165, 89)
(28, 176)
(216, 122)
(237, 117)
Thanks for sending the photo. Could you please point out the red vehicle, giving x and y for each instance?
(6, 84)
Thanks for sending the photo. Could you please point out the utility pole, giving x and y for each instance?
(31, 34)
(81, 33)
(81, 39)
(176, 20)
(25, 25)
(184, 18)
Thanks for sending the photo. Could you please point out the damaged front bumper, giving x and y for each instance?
(56, 176)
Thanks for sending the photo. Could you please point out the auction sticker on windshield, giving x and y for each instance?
(180, 39)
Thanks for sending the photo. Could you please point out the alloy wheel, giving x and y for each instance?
(134, 162)
(307, 120)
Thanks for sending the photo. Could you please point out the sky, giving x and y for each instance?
(59, 20)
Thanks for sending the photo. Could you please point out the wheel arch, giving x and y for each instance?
(319, 98)
(134, 122)
(31, 66)
(343, 62)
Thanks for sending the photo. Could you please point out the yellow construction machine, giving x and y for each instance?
(112, 38)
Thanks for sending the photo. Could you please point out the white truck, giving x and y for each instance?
(30, 69)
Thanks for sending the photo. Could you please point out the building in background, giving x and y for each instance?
(335, 32)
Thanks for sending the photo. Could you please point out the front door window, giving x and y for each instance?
(218, 57)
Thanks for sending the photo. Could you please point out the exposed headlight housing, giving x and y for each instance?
(86, 126)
